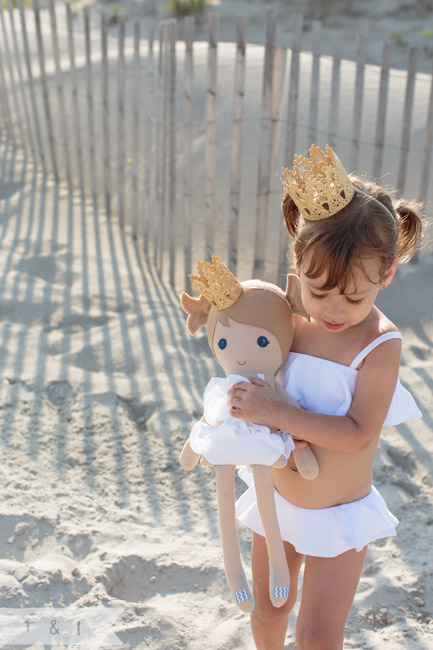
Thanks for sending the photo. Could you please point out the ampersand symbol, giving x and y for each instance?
(53, 628)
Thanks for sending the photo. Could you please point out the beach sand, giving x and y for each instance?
(100, 385)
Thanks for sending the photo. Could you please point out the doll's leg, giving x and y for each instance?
(269, 623)
(279, 578)
(235, 575)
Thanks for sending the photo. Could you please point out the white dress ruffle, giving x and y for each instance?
(321, 532)
(225, 440)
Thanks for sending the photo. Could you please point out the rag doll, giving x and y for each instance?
(250, 329)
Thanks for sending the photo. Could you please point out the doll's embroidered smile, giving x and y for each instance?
(243, 363)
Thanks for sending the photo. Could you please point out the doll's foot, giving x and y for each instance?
(278, 592)
(243, 597)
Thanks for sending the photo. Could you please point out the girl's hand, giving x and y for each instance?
(253, 401)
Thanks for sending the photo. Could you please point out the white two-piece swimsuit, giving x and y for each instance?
(327, 387)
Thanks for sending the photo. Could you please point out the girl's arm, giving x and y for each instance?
(352, 433)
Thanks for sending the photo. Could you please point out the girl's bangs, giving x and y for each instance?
(337, 268)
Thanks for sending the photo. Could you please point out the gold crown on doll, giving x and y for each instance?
(216, 283)
(319, 186)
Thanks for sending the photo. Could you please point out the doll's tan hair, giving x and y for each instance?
(260, 304)
(362, 229)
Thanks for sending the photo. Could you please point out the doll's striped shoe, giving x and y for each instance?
(277, 593)
(244, 598)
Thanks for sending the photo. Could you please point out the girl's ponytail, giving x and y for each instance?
(410, 219)
(291, 214)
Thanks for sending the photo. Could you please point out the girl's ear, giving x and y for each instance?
(389, 274)
(198, 310)
(293, 295)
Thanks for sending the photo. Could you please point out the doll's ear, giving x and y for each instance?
(293, 295)
(198, 310)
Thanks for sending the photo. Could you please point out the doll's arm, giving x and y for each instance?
(304, 458)
(188, 457)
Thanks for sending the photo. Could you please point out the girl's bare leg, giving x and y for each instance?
(268, 623)
(328, 591)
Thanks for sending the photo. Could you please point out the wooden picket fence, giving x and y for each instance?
(184, 141)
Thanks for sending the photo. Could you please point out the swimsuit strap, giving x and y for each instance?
(380, 339)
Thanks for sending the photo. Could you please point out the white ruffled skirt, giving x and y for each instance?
(321, 532)
(233, 441)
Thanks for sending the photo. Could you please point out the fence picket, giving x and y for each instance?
(357, 104)
(290, 142)
(137, 224)
(264, 147)
(188, 148)
(407, 119)
(210, 135)
(90, 118)
(293, 101)
(75, 103)
(379, 139)
(45, 92)
(172, 203)
(160, 150)
(315, 80)
(106, 140)
(428, 144)
(149, 155)
(236, 152)
(60, 94)
(121, 161)
(334, 103)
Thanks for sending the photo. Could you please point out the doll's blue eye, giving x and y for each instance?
(262, 341)
(222, 344)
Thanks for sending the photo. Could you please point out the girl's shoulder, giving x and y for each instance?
(373, 338)
(377, 325)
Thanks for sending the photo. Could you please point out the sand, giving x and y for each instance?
(100, 385)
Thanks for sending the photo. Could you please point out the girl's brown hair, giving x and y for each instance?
(360, 230)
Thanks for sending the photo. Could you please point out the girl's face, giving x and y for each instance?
(334, 311)
(245, 349)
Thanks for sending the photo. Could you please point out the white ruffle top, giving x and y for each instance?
(324, 386)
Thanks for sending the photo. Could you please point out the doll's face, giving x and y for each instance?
(245, 349)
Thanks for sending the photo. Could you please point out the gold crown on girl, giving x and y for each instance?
(216, 283)
(319, 185)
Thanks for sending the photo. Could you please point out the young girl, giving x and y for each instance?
(343, 371)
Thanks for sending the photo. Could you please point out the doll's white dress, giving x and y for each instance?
(225, 440)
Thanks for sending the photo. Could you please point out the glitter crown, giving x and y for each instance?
(319, 186)
(216, 283)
